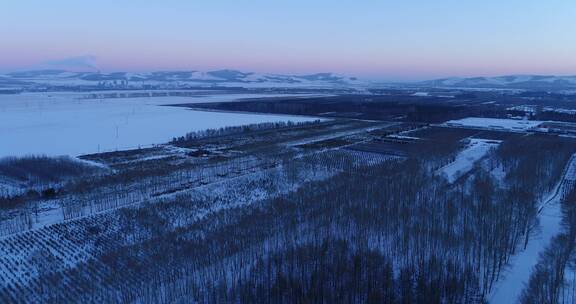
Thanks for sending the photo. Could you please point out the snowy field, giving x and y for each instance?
(69, 124)
(495, 123)
(466, 158)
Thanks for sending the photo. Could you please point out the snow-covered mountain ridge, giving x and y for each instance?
(235, 78)
(169, 78)
(512, 81)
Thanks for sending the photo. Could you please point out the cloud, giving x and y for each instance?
(85, 62)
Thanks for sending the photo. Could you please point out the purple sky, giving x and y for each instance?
(393, 40)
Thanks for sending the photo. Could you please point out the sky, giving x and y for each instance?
(372, 39)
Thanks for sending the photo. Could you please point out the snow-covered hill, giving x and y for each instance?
(234, 78)
(537, 82)
(170, 79)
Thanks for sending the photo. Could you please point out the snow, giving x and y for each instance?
(187, 79)
(9, 187)
(505, 80)
(517, 275)
(220, 184)
(335, 134)
(494, 123)
(560, 110)
(72, 247)
(396, 136)
(466, 158)
(533, 109)
(67, 124)
(421, 94)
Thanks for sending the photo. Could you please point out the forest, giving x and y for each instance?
(316, 219)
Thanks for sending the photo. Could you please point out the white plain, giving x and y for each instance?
(65, 124)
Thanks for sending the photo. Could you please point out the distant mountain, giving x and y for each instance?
(232, 78)
(171, 79)
(530, 82)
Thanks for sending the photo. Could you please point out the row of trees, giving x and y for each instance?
(44, 169)
(39, 173)
(231, 130)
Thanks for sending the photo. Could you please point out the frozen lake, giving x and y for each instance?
(66, 124)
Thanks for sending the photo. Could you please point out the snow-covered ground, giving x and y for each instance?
(335, 134)
(398, 136)
(494, 123)
(68, 124)
(516, 276)
(466, 158)
(9, 187)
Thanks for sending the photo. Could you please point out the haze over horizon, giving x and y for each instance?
(412, 40)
